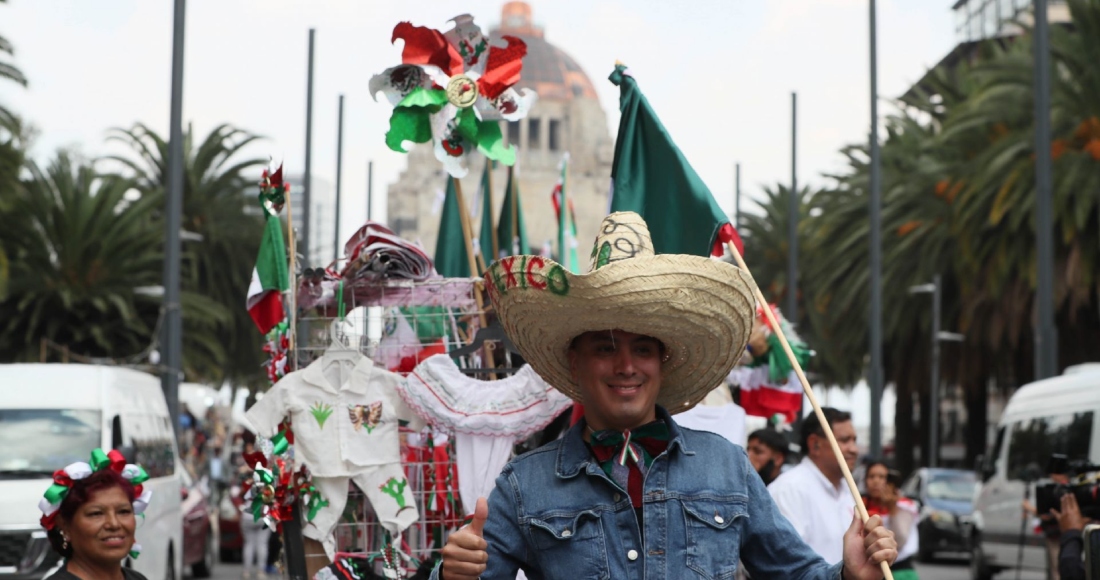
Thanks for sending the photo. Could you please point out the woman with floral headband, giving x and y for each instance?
(90, 514)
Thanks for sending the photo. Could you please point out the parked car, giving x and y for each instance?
(229, 523)
(946, 500)
(200, 527)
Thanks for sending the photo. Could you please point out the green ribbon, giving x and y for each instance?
(56, 493)
(141, 477)
(280, 443)
(257, 509)
(99, 459)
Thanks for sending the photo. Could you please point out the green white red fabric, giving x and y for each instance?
(270, 277)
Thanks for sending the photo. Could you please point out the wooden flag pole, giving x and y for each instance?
(292, 327)
(514, 210)
(852, 487)
(464, 218)
(489, 192)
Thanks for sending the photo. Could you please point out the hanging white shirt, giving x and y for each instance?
(344, 415)
(820, 511)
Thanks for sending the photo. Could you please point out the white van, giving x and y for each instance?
(54, 414)
(1056, 415)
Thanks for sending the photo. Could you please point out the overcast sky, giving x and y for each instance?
(719, 73)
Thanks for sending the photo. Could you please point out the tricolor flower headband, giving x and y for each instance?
(63, 480)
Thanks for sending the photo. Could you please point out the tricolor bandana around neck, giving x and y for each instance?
(626, 456)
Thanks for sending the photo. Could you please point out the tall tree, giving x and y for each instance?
(12, 73)
(220, 205)
(84, 257)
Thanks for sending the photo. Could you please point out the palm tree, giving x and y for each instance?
(82, 249)
(215, 200)
(10, 72)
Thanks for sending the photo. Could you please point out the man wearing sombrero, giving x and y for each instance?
(626, 493)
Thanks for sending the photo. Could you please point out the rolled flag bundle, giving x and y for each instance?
(376, 253)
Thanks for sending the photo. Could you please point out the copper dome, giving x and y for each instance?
(547, 69)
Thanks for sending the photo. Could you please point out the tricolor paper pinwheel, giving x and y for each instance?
(452, 89)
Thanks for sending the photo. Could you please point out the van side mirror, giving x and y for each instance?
(1091, 535)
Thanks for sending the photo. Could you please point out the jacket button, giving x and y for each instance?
(617, 498)
(566, 533)
(719, 519)
(632, 555)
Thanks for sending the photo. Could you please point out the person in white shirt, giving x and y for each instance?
(813, 494)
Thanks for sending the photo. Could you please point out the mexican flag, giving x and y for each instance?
(512, 243)
(761, 397)
(269, 278)
(486, 238)
(451, 260)
(651, 176)
(567, 220)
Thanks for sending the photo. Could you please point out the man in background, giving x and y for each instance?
(767, 451)
(813, 494)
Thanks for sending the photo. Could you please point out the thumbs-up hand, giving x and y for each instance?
(465, 554)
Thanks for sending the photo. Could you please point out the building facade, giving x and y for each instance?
(566, 119)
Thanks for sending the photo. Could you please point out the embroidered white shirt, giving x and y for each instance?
(820, 511)
(344, 413)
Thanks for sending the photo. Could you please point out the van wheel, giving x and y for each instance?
(979, 568)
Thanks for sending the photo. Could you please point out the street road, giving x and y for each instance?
(959, 570)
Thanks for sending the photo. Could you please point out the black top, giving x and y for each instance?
(1071, 563)
(64, 574)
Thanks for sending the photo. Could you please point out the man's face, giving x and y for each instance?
(619, 375)
(822, 453)
(760, 454)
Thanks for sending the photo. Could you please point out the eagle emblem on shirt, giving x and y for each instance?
(366, 415)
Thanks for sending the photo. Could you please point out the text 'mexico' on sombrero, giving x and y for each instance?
(701, 309)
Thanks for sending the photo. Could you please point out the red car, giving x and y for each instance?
(200, 528)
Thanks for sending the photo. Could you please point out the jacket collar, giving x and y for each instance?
(574, 455)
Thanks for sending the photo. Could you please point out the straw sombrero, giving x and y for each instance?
(701, 309)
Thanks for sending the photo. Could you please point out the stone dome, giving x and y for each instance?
(547, 69)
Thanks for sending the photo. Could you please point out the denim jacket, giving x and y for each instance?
(555, 514)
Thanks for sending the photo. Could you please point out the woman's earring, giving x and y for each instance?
(64, 542)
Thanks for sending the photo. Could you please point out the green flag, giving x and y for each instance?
(487, 239)
(567, 221)
(650, 176)
(512, 241)
(451, 260)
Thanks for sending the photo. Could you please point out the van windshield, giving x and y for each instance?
(36, 442)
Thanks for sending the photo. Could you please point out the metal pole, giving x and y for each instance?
(370, 189)
(173, 330)
(934, 398)
(792, 219)
(339, 172)
(737, 196)
(876, 374)
(307, 183)
(1046, 339)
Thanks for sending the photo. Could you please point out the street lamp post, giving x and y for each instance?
(936, 290)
